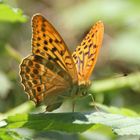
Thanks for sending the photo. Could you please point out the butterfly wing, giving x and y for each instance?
(50, 70)
(85, 55)
(48, 44)
(43, 81)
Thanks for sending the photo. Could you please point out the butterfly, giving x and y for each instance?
(51, 72)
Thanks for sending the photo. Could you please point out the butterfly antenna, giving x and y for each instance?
(94, 104)
(93, 101)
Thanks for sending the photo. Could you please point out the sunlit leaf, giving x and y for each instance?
(75, 122)
(10, 14)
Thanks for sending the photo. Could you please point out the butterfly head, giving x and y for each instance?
(83, 88)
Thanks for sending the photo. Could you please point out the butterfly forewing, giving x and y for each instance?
(47, 43)
(85, 55)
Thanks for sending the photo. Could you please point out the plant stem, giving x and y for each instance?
(131, 81)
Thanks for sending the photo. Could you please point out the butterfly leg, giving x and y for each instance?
(73, 105)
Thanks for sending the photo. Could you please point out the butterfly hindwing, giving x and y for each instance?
(85, 55)
(43, 80)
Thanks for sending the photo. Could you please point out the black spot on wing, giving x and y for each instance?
(37, 66)
(27, 69)
(95, 46)
(54, 49)
(35, 71)
(44, 35)
(45, 48)
(38, 89)
(45, 42)
(38, 44)
(38, 38)
(56, 41)
(50, 40)
(35, 81)
(30, 63)
(85, 46)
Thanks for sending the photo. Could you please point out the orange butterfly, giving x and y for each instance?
(51, 72)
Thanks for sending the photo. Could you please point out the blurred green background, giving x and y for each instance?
(119, 56)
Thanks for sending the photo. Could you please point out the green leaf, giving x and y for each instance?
(75, 122)
(10, 135)
(10, 14)
(115, 110)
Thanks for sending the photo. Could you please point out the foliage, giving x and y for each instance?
(75, 122)
(10, 14)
